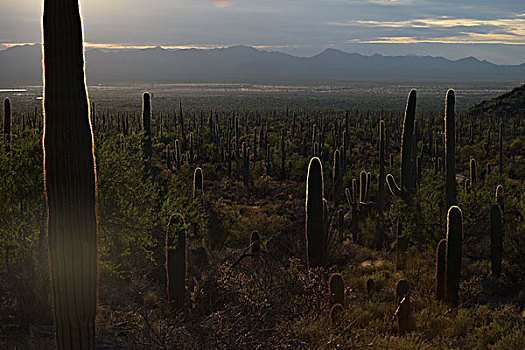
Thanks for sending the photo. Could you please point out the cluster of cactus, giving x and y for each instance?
(358, 197)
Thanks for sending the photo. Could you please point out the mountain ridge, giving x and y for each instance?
(238, 64)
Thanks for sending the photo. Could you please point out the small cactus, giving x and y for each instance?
(402, 303)
(337, 289)
(336, 314)
(255, 242)
(370, 286)
(440, 269)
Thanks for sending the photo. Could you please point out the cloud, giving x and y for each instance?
(442, 29)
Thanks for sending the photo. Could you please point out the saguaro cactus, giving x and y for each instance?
(337, 183)
(70, 180)
(473, 178)
(450, 150)
(407, 185)
(315, 243)
(402, 303)
(453, 253)
(500, 148)
(440, 269)
(283, 154)
(500, 199)
(146, 124)
(381, 179)
(198, 180)
(176, 260)
(255, 242)
(496, 239)
(7, 123)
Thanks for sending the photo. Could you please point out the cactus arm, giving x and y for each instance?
(392, 186)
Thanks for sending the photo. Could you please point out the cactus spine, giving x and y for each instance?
(450, 150)
(176, 260)
(315, 243)
(453, 253)
(496, 239)
(69, 177)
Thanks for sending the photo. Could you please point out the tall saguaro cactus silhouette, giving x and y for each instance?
(70, 178)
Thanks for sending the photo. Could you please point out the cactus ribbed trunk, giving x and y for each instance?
(450, 149)
(70, 180)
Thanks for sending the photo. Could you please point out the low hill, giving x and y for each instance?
(512, 102)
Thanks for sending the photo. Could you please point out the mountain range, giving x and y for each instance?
(21, 65)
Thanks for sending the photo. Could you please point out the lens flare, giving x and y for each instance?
(222, 3)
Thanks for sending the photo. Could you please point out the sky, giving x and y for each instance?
(490, 30)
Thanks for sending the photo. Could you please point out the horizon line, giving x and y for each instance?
(263, 48)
